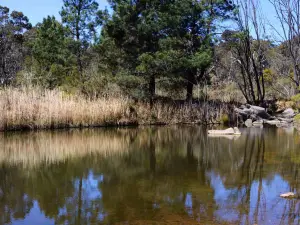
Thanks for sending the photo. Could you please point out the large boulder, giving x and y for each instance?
(253, 112)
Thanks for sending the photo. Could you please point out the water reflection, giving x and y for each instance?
(166, 175)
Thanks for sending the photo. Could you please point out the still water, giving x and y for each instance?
(160, 175)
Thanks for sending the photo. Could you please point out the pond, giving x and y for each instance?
(149, 175)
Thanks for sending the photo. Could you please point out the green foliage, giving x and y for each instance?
(79, 17)
(225, 119)
(12, 28)
(80, 20)
(297, 118)
(50, 44)
(132, 85)
(169, 38)
(296, 100)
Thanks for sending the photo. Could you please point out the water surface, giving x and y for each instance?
(161, 175)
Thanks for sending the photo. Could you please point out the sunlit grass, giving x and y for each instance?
(33, 108)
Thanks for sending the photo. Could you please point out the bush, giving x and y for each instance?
(296, 100)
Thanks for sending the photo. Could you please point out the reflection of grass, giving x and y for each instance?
(295, 158)
(49, 147)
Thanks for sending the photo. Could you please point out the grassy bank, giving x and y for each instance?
(32, 108)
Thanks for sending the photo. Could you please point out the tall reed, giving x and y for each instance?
(33, 108)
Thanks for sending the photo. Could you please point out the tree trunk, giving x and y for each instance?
(79, 202)
(152, 90)
(189, 87)
(152, 158)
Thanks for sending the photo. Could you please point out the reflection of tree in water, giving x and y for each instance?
(157, 174)
(14, 202)
(250, 180)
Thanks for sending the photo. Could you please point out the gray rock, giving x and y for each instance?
(272, 122)
(288, 114)
(248, 123)
(258, 124)
(287, 120)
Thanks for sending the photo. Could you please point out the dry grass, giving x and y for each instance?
(33, 108)
(201, 113)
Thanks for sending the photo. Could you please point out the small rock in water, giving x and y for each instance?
(288, 195)
(248, 123)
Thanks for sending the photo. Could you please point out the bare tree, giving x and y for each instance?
(248, 51)
(288, 15)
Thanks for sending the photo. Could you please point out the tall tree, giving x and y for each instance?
(190, 32)
(248, 51)
(166, 37)
(12, 28)
(135, 29)
(50, 50)
(79, 17)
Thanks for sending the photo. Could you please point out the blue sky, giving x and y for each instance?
(36, 10)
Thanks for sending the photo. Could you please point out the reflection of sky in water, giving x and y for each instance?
(265, 205)
(232, 205)
(189, 204)
(34, 217)
(90, 192)
(90, 185)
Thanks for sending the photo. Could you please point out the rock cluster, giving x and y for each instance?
(255, 116)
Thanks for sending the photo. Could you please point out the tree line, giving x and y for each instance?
(138, 47)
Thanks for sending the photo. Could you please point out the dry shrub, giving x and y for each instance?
(202, 113)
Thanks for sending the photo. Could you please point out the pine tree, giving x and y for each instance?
(79, 17)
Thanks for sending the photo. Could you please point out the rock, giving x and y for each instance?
(258, 124)
(237, 131)
(252, 111)
(248, 123)
(244, 113)
(229, 131)
(287, 120)
(288, 113)
(272, 122)
(261, 112)
(288, 195)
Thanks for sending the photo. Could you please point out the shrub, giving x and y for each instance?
(296, 100)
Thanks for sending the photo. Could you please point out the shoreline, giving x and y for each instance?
(37, 109)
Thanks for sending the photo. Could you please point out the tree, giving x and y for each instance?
(288, 14)
(166, 37)
(135, 29)
(12, 28)
(248, 54)
(79, 17)
(50, 50)
(191, 33)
